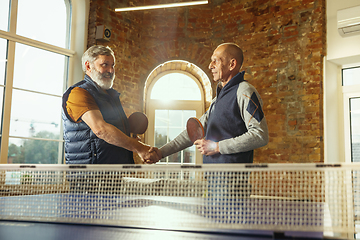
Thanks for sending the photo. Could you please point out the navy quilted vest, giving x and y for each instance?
(82, 146)
(225, 122)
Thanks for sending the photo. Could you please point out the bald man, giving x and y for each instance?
(234, 124)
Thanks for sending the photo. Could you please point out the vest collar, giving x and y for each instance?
(238, 78)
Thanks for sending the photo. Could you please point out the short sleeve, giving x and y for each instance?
(79, 102)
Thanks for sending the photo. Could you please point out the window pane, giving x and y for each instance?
(168, 125)
(160, 137)
(3, 60)
(33, 151)
(1, 107)
(175, 119)
(355, 129)
(43, 20)
(39, 70)
(173, 132)
(161, 118)
(175, 86)
(188, 114)
(35, 115)
(351, 76)
(175, 158)
(189, 155)
(4, 14)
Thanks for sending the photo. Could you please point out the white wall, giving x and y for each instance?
(341, 52)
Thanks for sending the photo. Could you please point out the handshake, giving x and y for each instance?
(150, 155)
(138, 124)
(196, 135)
(154, 155)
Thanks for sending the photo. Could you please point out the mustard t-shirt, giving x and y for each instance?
(79, 102)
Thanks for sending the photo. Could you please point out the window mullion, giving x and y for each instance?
(4, 147)
(13, 16)
(37, 44)
(7, 102)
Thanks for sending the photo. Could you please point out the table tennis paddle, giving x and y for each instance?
(138, 123)
(194, 129)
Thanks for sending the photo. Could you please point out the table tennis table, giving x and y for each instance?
(159, 216)
(157, 202)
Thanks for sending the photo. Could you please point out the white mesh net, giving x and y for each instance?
(278, 197)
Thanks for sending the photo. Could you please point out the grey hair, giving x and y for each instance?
(93, 52)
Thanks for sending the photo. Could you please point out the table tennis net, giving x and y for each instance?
(277, 197)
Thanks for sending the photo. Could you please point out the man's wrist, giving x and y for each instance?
(138, 146)
(214, 147)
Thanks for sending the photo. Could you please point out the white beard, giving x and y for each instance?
(104, 80)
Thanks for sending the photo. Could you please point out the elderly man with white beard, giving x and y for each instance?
(96, 128)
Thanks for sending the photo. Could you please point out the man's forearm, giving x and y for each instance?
(114, 136)
(110, 133)
(181, 142)
(246, 142)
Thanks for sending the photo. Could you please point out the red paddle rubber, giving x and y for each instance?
(194, 129)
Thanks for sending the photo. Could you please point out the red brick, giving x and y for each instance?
(276, 36)
(292, 123)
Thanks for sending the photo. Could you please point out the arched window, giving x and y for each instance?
(175, 86)
(35, 57)
(173, 97)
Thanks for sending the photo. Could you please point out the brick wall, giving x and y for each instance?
(283, 41)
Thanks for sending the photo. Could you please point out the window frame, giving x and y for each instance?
(78, 12)
(348, 92)
(153, 104)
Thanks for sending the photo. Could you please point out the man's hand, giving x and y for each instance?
(207, 147)
(148, 154)
(154, 151)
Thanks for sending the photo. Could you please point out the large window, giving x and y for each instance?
(351, 91)
(174, 98)
(34, 59)
(4, 14)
